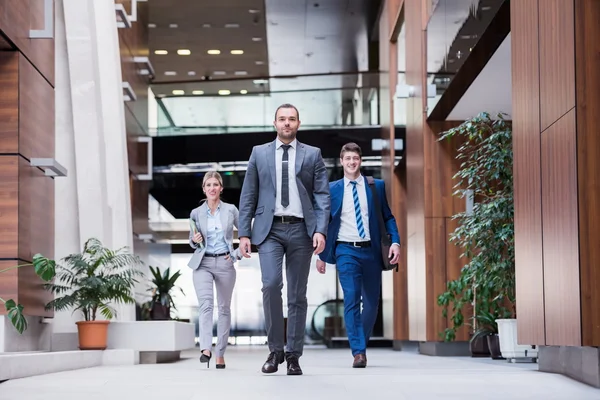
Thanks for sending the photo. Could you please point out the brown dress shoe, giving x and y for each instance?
(360, 361)
(272, 364)
(293, 366)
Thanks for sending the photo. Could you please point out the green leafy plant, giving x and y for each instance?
(163, 286)
(45, 269)
(91, 280)
(486, 234)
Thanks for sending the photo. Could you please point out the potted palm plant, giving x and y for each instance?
(485, 233)
(45, 269)
(90, 282)
(160, 305)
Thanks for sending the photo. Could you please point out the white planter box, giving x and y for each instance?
(510, 349)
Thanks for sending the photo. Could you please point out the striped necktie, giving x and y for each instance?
(359, 221)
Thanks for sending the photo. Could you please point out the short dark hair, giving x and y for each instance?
(287, 105)
(350, 147)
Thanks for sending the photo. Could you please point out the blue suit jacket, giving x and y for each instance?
(336, 190)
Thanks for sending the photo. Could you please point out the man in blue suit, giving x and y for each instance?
(354, 245)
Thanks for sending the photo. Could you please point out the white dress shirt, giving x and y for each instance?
(295, 206)
(348, 229)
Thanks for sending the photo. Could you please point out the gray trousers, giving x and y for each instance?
(293, 241)
(222, 273)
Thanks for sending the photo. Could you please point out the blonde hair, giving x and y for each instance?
(212, 174)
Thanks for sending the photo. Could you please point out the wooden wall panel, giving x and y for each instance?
(454, 264)
(36, 212)
(9, 214)
(36, 113)
(557, 52)
(587, 48)
(527, 173)
(31, 293)
(560, 233)
(9, 102)
(401, 331)
(8, 280)
(436, 241)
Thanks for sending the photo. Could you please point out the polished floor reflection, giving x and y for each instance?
(327, 375)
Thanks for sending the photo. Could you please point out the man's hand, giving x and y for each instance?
(318, 243)
(394, 253)
(321, 266)
(245, 247)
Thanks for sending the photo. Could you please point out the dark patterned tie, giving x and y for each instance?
(285, 190)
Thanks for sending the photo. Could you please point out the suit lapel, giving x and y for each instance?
(224, 214)
(337, 197)
(373, 217)
(203, 219)
(300, 151)
(271, 162)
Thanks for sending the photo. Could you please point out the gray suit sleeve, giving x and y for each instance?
(192, 244)
(236, 255)
(321, 197)
(248, 198)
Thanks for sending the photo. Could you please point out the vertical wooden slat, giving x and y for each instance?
(527, 172)
(9, 102)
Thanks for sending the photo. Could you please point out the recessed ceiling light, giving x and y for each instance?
(214, 52)
(260, 81)
(170, 73)
(241, 73)
(232, 25)
(237, 52)
(151, 25)
(243, 91)
(253, 11)
(184, 52)
(256, 39)
(219, 73)
(178, 92)
(191, 73)
(161, 52)
(173, 26)
(259, 62)
(206, 25)
(197, 92)
(224, 92)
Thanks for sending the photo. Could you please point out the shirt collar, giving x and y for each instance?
(208, 208)
(359, 180)
(280, 143)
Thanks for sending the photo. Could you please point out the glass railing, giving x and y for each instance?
(248, 105)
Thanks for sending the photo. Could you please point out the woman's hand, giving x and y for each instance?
(197, 237)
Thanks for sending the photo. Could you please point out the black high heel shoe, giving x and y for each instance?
(206, 359)
(220, 366)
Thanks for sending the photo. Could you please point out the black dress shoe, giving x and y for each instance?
(272, 364)
(293, 366)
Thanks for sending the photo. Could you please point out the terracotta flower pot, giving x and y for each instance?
(92, 334)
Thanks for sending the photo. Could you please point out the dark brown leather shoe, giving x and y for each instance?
(272, 364)
(293, 366)
(360, 361)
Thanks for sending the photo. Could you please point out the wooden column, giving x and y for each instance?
(556, 101)
(26, 132)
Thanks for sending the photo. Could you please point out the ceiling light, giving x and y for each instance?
(161, 52)
(259, 62)
(184, 52)
(206, 25)
(191, 73)
(214, 52)
(198, 92)
(151, 25)
(260, 81)
(173, 26)
(237, 52)
(219, 73)
(178, 92)
(256, 39)
(224, 92)
(243, 91)
(170, 73)
(241, 73)
(253, 11)
(232, 25)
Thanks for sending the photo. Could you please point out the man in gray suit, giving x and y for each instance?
(286, 191)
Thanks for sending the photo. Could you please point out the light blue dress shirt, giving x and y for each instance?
(215, 241)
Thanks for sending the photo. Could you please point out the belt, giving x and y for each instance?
(216, 255)
(357, 244)
(287, 219)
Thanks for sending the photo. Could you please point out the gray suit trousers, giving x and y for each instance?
(293, 241)
(222, 273)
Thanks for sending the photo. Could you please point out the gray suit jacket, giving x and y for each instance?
(229, 219)
(260, 187)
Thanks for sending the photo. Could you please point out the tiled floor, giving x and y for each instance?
(327, 375)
